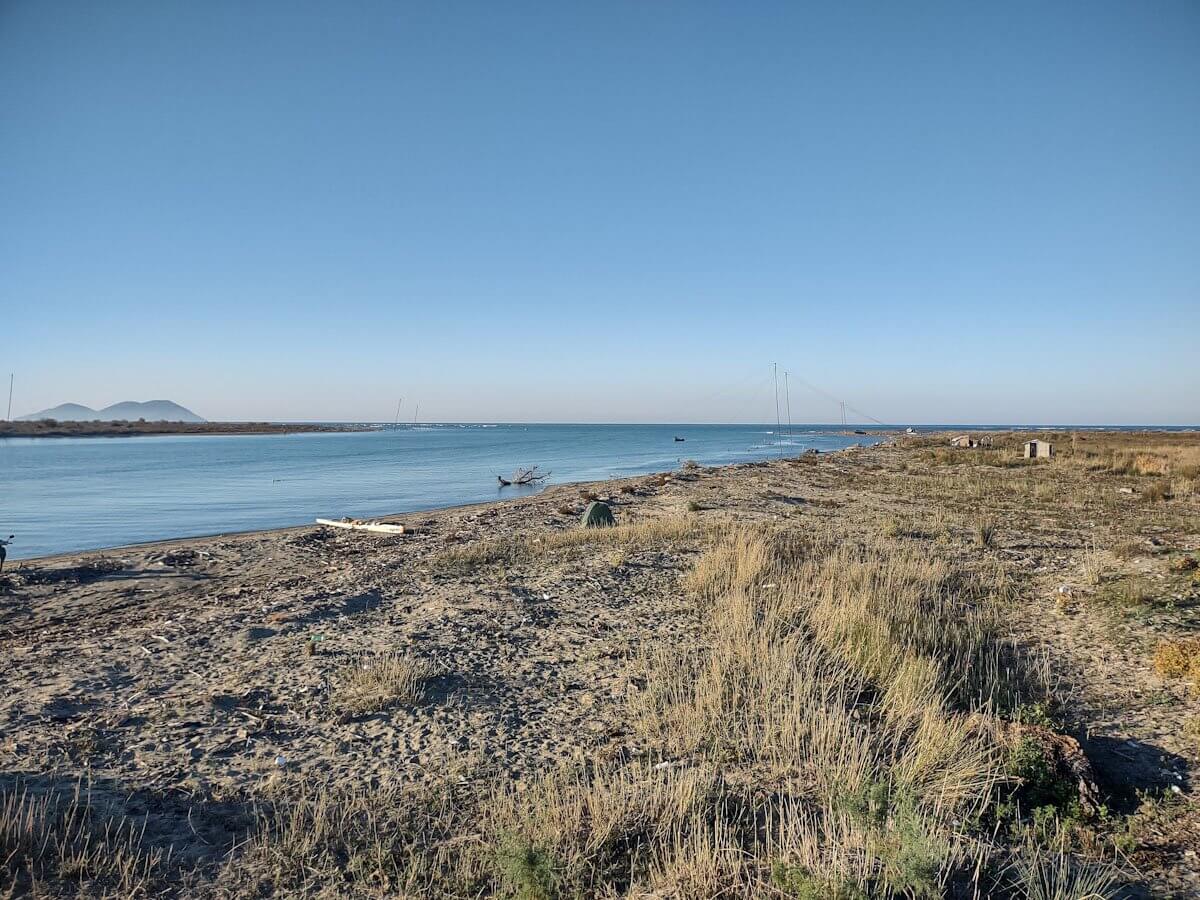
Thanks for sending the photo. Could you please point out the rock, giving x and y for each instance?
(597, 515)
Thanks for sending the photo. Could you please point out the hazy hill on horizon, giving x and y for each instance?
(127, 410)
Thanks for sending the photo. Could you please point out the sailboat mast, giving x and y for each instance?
(396, 420)
(415, 411)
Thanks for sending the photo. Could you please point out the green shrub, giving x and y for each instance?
(797, 881)
(1038, 781)
(870, 804)
(913, 857)
(526, 871)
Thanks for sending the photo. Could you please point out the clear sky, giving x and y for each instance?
(943, 212)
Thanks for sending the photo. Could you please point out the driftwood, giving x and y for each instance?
(530, 475)
(372, 525)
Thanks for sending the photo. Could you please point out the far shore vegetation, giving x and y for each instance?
(140, 427)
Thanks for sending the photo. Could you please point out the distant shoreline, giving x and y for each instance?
(50, 428)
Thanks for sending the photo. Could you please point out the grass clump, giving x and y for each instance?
(1129, 593)
(377, 683)
(511, 551)
(1056, 875)
(1127, 550)
(315, 840)
(844, 671)
(1093, 566)
(1191, 728)
(62, 836)
(1158, 492)
(985, 533)
(1184, 564)
(1179, 659)
(467, 558)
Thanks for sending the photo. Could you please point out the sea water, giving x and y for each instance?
(60, 495)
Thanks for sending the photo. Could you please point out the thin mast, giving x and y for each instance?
(396, 420)
(415, 411)
(775, 372)
(11, 375)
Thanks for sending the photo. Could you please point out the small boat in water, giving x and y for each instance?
(679, 439)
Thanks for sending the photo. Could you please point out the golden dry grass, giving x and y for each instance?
(514, 549)
(828, 737)
(375, 683)
(1179, 659)
(52, 838)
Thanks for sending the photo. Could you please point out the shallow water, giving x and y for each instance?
(67, 494)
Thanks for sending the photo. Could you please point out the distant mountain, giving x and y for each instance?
(66, 412)
(129, 410)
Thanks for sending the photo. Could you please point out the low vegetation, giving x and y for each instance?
(510, 550)
(53, 836)
(1179, 659)
(375, 683)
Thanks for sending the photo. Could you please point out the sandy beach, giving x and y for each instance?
(194, 688)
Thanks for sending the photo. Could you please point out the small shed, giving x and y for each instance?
(963, 440)
(1036, 449)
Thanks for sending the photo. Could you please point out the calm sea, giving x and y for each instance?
(59, 495)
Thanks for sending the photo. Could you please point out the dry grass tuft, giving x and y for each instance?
(1129, 549)
(510, 551)
(1093, 566)
(376, 683)
(1158, 492)
(48, 835)
(369, 842)
(1055, 875)
(985, 532)
(1178, 659)
(1186, 563)
(801, 630)
(1129, 593)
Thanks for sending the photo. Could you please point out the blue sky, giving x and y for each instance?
(944, 212)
